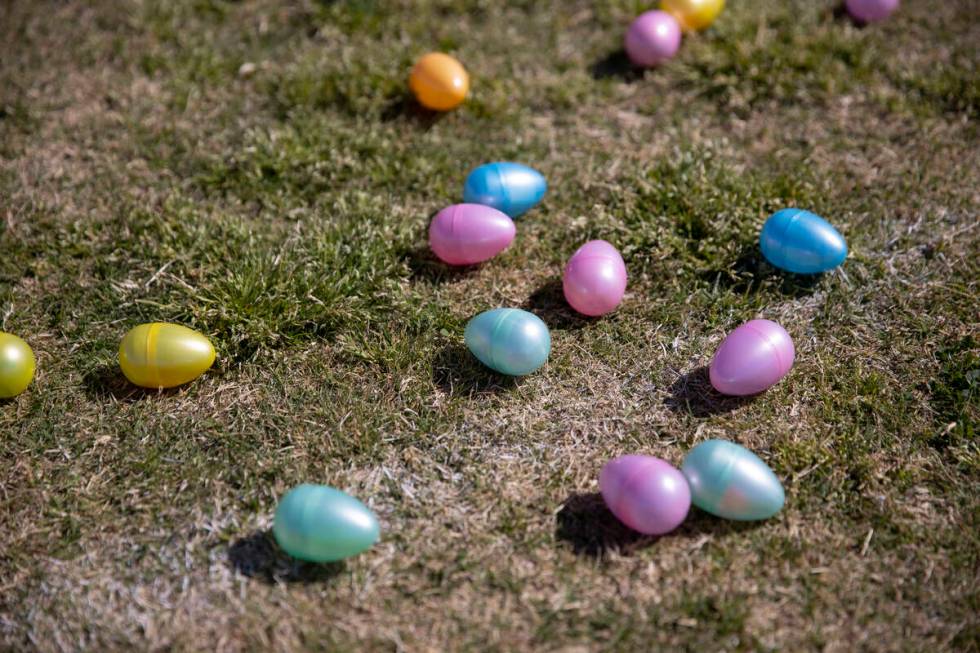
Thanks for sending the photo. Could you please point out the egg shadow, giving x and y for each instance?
(616, 65)
(258, 556)
(693, 394)
(841, 15)
(751, 273)
(106, 382)
(590, 529)
(548, 302)
(425, 266)
(457, 372)
(406, 108)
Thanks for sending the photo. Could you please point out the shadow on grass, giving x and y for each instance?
(692, 393)
(590, 529)
(406, 108)
(457, 372)
(548, 303)
(257, 556)
(751, 273)
(425, 266)
(107, 383)
(616, 65)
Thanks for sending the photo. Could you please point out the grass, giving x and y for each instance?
(281, 208)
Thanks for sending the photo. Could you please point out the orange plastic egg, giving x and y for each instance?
(693, 15)
(439, 81)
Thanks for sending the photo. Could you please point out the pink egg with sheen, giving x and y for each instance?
(465, 234)
(647, 494)
(595, 278)
(654, 37)
(753, 357)
(870, 11)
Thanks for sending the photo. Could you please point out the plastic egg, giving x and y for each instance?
(752, 358)
(16, 365)
(164, 355)
(647, 494)
(465, 234)
(870, 11)
(595, 278)
(802, 242)
(319, 523)
(439, 81)
(509, 340)
(654, 37)
(693, 14)
(509, 187)
(729, 481)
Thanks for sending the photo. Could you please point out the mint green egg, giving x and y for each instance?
(319, 523)
(730, 481)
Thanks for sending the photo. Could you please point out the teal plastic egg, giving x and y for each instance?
(730, 481)
(319, 523)
(509, 340)
(802, 242)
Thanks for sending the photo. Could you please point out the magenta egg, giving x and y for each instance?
(753, 357)
(870, 11)
(654, 37)
(465, 234)
(647, 494)
(595, 278)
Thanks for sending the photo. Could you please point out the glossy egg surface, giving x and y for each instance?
(871, 11)
(466, 234)
(16, 365)
(647, 494)
(729, 481)
(652, 38)
(164, 355)
(753, 357)
(439, 81)
(802, 242)
(693, 14)
(319, 523)
(509, 340)
(512, 188)
(595, 278)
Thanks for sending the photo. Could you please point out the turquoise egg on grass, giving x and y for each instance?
(802, 242)
(730, 481)
(319, 523)
(509, 340)
(512, 188)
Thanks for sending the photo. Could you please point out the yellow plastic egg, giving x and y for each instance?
(16, 365)
(693, 14)
(163, 355)
(439, 82)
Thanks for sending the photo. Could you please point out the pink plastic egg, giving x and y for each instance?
(654, 37)
(464, 234)
(870, 11)
(647, 494)
(753, 357)
(595, 278)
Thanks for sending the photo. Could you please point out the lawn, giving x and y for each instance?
(256, 170)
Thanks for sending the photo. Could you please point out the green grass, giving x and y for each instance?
(283, 212)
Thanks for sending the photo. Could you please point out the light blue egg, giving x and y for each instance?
(802, 242)
(319, 523)
(730, 481)
(509, 340)
(509, 187)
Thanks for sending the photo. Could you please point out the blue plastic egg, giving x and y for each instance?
(509, 340)
(319, 523)
(730, 481)
(509, 187)
(802, 242)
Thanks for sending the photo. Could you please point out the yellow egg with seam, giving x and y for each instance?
(16, 365)
(693, 15)
(164, 355)
(439, 82)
